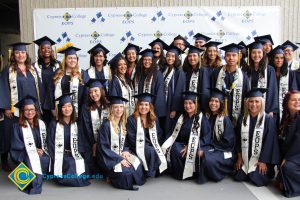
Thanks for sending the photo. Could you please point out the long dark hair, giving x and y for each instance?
(14, 63)
(22, 119)
(284, 68)
(40, 61)
(103, 101)
(262, 65)
(114, 70)
(187, 67)
(140, 70)
(93, 54)
(60, 115)
(221, 111)
(176, 66)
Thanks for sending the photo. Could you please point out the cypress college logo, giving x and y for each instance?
(67, 19)
(22, 176)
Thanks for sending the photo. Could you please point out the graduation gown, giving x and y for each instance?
(203, 84)
(219, 156)
(229, 79)
(272, 93)
(100, 75)
(19, 154)
(269, 151)
(151, 156)
(289, 173)
(174, 99)
(157, 88)
(177, 161)
(26, 86)
(68, 166)
(108, 159)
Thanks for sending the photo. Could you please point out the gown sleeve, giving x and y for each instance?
(18, 149)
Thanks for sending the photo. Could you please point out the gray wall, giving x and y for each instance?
(290, 9)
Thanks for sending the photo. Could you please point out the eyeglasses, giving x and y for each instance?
(29, 110)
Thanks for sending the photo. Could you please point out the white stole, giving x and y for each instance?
(127, 94)
(97, 121)
(294, 65)
(263, 82)
(140, 146)
(219, 128)
(250, 165)
(193, 86)
(167, 80)
(283, 89)
(59, 150)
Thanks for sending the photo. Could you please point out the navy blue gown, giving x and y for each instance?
(216, 166)
(107, 159)
(177, 161)
(69, 166)
(99, 75)
(269, 152)
(19, 154)
(289, 174)
(151, 156)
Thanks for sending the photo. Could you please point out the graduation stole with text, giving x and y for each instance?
(98, 120)
(106, 71)
(167, 80)
(193, 86)
(127, 94)
(283, 90)
(262, 82)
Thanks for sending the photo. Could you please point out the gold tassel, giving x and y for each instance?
(55, 52)
(56, 110)
(248, 56)
(9, 55)
(239, 60)
(1, 63)
(226, 106)
(196, 105)
(200, 59)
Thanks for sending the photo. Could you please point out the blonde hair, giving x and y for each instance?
(261, 113)
(115, 125)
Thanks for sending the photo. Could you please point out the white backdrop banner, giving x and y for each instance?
(115, 27)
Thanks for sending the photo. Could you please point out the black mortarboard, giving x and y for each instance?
(289, 44)
(147, 53)
(200, 36)
(255, 45)
(114, 61)
(193, 49)
(28, 100)
(179, 37)
(212, 44)
(189, 95)
(65, 98)
(19, 46)
(44, 40)
(231, 48)
(145, 97)
(215, 92)
(277, 50)
(256, 92)
(97, 48)
(174, 49)
(69, 51)
(132, 47)
(95, 83)
(116, 100)
(264, 39)
(159, 42)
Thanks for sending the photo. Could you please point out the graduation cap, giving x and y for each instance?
(145, 97)
(179, 37)
(174, 49)
(92, 83)
(231, 48)
(189, 95)
(216, 93)
(69, 51)
(256, 92)
(264, 39)
(193, 49)
(97, 48)
(212, 44)
(116, 100)
(65, 98)
(289, 44)
(159, 42)
(132, 47)
(147, 53)
(255, 45)
(28, 100)
(19, 46)
(277, 50)
(114, 61)
(43, 41)
(200, 36)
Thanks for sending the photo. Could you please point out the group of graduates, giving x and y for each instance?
(175, 110)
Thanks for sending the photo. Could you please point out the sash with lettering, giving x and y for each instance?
(140, 146)
(117, 142)
(236, 87)
(262, 82)
(39, 68)
(106, 71)
(74, 87)
(98, 120)
(294, 65)
(13, 84)
(59, 150)
(283, 89)
(127, 94)
(194, 82)
(250, 165)
(146, 89)
(167, 80)
(31, 149)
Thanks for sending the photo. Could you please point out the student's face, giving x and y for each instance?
(179, 44)
(122, 67)
(231, 58)
(288, 53)
(144, 108)
(170, 57)
(67, 109)
(193, 59)
(257, 55)
(199, 44)
(95, 94)
(157, 48)
(254, 105)
(189, 106)
(20, 56)
(29, 112)
(71, 61)
(214, 104)
(278, 60)
(267, 47)
(212, 53)
(118, 110)
(294, 103)
(131, 56)
(46, 50)
(99, 58)
(147, 62)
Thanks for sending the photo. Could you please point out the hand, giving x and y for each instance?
(8, 114)
(173, 114)
(184, 151)
(94, 149)
(125, 154)
(125, 163)
(283, 162)
(239, 163)
(262, 168)
(40, 152)
(271, 114)
(200, 153)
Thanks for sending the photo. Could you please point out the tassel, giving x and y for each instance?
(226, 106)
(200, 59)
(1, 63)
(196, 105)
(9, 55)
(239, 60)
(56, 110)
(248, 56)
(55, 52)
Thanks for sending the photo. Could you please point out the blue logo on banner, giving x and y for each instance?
(99, 17)
(218, 15)
(127, 37)
(128, 15)
(188, 16)
(158, 17)
(251, 35)
(157, 34)
(63, 37)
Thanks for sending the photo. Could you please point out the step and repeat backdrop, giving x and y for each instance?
(116, 27)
